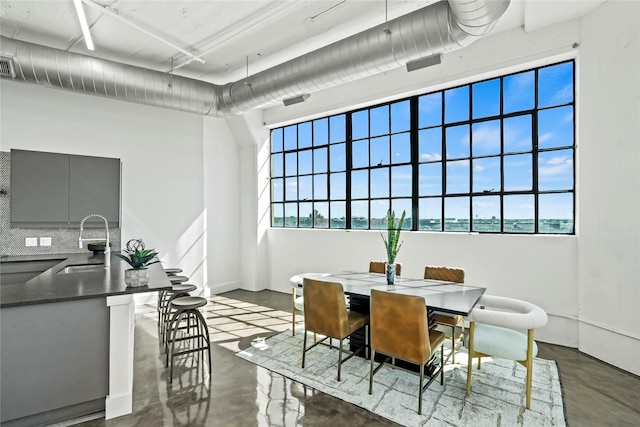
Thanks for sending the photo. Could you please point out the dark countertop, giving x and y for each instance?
(52, 286)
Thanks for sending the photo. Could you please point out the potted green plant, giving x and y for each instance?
(392, 243)
(138, 258)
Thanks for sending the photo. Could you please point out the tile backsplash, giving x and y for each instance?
(63, 240)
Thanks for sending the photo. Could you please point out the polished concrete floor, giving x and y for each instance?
(242, 394)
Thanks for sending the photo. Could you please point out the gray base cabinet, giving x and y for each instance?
(54, 361)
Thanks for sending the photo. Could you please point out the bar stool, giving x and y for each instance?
(196, 332)
(172, 271)
(162, 295)
(169, 271)
(176, 291)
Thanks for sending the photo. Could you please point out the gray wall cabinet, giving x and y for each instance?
(39, 187)
(59, 190)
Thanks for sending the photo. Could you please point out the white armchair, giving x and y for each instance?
(493, 332)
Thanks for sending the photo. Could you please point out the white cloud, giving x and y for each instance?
(564, 95)
(458, 163)
(557, 160)
(559, 165)
(487, 136)
(430, 156)
(478, 168)
(545, 137)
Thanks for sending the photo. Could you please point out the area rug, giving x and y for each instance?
(497, 397)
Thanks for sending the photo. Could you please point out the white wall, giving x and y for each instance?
(222, 200)
(161, 153)
(588, 283)
(609, 208)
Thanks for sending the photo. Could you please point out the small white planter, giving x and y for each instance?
(134, 278)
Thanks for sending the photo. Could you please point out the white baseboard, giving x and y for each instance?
(116, 406)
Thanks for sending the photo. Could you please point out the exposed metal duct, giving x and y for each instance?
(438, 28)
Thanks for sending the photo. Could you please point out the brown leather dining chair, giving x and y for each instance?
(325, 313)
(399, 329)
(379, 267)
(448, 274)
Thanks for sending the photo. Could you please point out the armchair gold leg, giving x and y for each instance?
(293, 312)
(293, 323)
(453, 344)
(529, 366)
(472, 326)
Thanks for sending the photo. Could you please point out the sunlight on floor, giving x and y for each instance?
(233, 324)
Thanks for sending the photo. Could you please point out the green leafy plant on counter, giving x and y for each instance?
(137, 256)
(392, 241)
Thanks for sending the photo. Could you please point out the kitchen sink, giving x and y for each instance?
(83, 268)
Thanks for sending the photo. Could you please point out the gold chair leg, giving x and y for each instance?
(453, 344)
(293, 312)
(461, 336)
(529, 366)
(472, 326)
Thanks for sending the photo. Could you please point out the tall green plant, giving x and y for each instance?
(392, 241)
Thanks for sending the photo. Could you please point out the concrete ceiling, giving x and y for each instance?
(228, 35)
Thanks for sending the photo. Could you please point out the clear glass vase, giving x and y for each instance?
(390, 270)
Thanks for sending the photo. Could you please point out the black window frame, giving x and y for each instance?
(318, 219)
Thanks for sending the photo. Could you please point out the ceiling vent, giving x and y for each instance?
(7, 70)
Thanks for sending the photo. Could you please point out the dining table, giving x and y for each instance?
(440, 296)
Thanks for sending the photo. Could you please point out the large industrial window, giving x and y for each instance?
(495, 156)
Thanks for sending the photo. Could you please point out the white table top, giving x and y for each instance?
(450, 297)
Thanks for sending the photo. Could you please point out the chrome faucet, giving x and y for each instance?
(107, 249)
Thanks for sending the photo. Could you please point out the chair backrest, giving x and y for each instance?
(399, 326)
(508, 313)
(379, 267)
(325, 309)
(448, 274)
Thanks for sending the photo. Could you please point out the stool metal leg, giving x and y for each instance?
(205, 335)
(172, 331)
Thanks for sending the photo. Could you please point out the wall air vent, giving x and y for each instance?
(7, 69)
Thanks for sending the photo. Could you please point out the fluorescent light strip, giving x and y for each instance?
(83, 24)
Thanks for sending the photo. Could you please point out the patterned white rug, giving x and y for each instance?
(497, 395)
